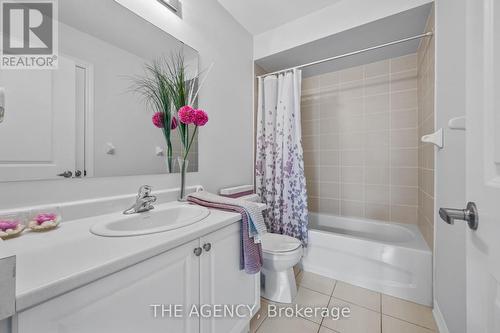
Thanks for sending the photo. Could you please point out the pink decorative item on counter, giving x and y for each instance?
(8, 224)
(10, 228)
(44, 217)
(44, 221)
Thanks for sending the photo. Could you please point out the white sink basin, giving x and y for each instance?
(161, 219)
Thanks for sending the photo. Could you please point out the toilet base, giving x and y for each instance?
(280, 286)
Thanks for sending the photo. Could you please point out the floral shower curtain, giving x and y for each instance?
(280, 179)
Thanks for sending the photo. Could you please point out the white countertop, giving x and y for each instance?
(52, 263)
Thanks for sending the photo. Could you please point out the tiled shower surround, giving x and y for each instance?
(360, 138)
(426, 118)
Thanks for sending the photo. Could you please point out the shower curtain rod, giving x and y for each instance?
(427, 34)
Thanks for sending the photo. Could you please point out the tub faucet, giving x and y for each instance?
(143, 202)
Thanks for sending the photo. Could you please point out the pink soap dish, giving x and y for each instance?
(41, 222)
(10, 229)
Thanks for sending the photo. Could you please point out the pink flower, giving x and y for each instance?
(8, 224)
(45, 217)
(200, 117)
(186, 115)
(174, 123)
(158, 119)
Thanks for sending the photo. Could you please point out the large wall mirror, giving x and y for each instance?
(85, 118)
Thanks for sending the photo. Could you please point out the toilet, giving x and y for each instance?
(280, 253)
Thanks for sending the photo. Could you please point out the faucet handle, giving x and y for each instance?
(144, 191)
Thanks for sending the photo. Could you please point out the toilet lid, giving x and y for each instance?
(279, 243)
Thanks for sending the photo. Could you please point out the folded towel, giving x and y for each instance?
(254, 211)
(251, 252)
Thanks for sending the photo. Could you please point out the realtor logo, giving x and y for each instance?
(29, 34)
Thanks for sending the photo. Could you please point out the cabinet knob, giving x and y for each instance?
(207, 247)
(197, 251)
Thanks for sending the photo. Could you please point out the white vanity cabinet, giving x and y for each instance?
(121, 302)
(223, 283)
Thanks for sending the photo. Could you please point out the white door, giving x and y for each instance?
(483, 164)
(37, 134)
(122, 302)
(223, 283)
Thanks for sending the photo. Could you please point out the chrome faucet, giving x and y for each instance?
(143, 201)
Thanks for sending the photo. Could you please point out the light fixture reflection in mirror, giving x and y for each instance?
(173, 5)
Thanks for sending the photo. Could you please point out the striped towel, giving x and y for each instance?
(251, 252)
(252, 209)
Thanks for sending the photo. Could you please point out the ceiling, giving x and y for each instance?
(258, 16)
(391, 28)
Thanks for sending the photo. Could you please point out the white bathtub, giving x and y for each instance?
(390, 258)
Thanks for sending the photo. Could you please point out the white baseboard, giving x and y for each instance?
(438, 317)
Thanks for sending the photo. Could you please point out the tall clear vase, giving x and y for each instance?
(169, 159)
(183, 167)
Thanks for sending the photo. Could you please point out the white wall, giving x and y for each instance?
(450, 274)
(225, 147)
(339, 17)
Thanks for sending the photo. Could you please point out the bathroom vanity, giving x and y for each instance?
(71, 280)
(102, 270)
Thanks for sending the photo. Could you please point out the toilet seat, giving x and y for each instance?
(279, 244)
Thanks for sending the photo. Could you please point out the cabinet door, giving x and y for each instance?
(122, 301)
(222, 281)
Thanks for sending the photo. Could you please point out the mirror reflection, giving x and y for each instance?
(88, 118)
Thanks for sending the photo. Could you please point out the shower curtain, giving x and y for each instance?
(280, 179)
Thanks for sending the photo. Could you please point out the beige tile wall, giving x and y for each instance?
(425, 60)
(360, 140)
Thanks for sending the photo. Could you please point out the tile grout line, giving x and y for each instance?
(357, 131)
(319, 144)
(339, 173)
(381, 314)
(364, 143)
(361, 306)
(321, 322)
(329, 301)
(409, 322)
(323, 318)
(258, 327)
(390, 156)
(319, 292)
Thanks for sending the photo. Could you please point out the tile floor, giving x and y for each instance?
(371, 312)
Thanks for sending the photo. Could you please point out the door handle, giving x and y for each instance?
(207, 247)
(469, 215)
(66, 174)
